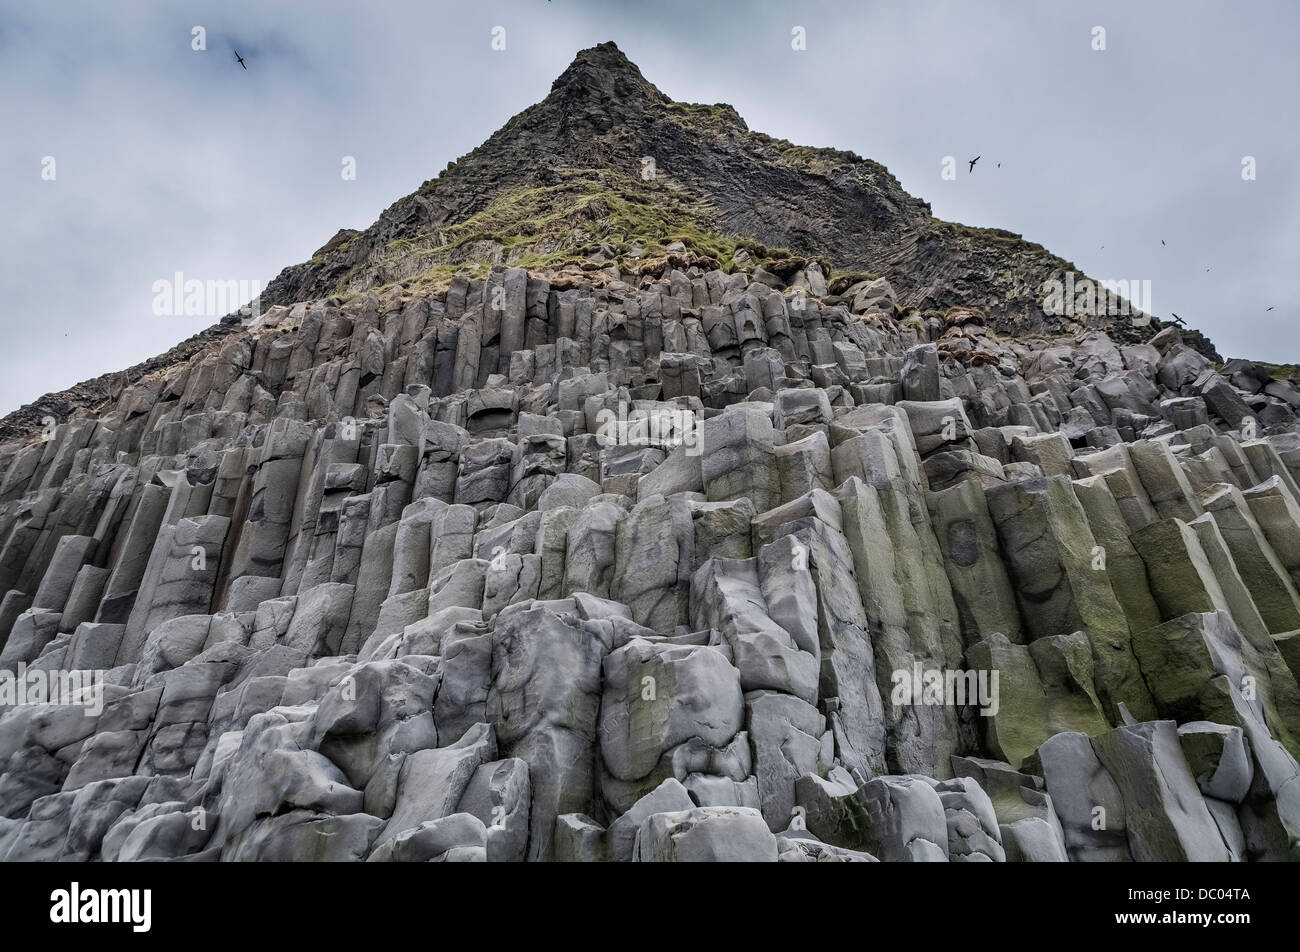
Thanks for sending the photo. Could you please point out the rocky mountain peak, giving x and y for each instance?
(603, 74)
(609, 165)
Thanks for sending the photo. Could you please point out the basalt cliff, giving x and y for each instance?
(646, 488)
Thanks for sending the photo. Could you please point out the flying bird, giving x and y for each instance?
(972, 164)
(1268, 309)
(1178, 320)
(240, 59)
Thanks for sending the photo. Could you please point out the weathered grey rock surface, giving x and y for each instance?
(696, 563)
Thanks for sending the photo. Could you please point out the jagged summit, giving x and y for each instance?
(602, 73)
(568, 178)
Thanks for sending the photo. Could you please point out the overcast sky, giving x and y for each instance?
(168, 159)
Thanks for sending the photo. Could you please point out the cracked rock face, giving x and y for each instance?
(691, 564)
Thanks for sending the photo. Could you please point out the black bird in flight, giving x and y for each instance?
(240, 58)
(1178, 320)
(1162, 241)
(972, 164)
(1268, 309)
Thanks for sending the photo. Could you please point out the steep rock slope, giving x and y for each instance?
(587, 143)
